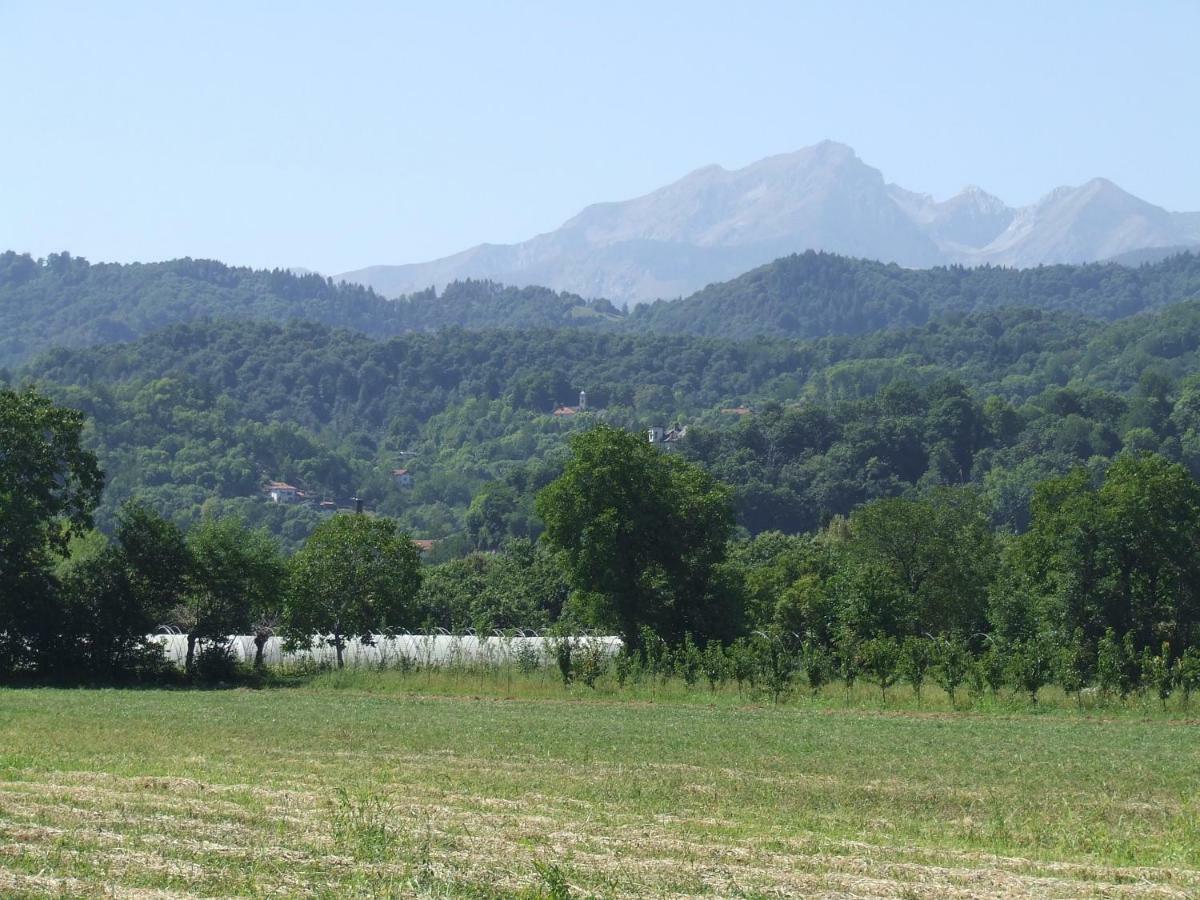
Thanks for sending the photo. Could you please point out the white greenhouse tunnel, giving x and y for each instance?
(404, 649)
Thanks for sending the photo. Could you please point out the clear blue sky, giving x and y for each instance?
(335, 136)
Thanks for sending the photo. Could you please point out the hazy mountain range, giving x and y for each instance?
(714, 224)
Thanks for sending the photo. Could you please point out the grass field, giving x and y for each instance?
(357, 786)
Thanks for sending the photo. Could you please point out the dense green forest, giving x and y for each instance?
(67, 301)
(816, 294)
(198, 417)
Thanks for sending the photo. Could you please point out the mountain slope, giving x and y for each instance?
(715, 223)
(1072, 225)
(708, 226)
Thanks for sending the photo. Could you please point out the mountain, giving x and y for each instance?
(709, 226)
(1074, 225)
(715, 223)
(972, 218)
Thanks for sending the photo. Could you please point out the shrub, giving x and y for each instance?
(216, 663)
(623, 666)
(1187, 673)
(1110, 665)
(743, 663)
(528, 658)
(849, 661)
(656, 656)
(562, 648)
(1075, 666)
(1159, 673)
(993, 667)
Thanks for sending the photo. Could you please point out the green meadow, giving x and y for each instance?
(377, 784)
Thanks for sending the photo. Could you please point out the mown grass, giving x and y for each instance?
(382, 784)
(545, 684)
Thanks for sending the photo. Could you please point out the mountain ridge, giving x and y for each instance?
(716, 223)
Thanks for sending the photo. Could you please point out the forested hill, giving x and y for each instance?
(198, 417)
(65, 301)
(817, 294)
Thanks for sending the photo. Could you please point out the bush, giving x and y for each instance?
(1159, 673)
(216, 663)
(777, 664)
(1187, 673)
(743, 663)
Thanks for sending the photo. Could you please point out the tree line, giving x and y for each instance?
(1101, 589)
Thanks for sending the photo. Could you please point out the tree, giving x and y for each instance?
(49, 486)
(1124, 556)
(642, 533)
(157, 560)
(1032, 664)
(236, 572)
(492, 516)
(815, 659)
(106, 619)
(940, 552)
(951, 664)
(881, 660)
(355, 575)
(916, 657)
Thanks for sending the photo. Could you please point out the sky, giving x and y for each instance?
(336, 136)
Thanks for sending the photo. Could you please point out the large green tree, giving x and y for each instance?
(236, 573)
(643, 535)
(917, 566)
(49, 486)
(356, 575)
(1124, 555)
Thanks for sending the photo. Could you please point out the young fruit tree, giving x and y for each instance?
(355, 575)
(951, 664)
(881, 661)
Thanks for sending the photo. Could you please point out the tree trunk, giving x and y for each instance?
(190, 661)
(260, 642)
(337, 645)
